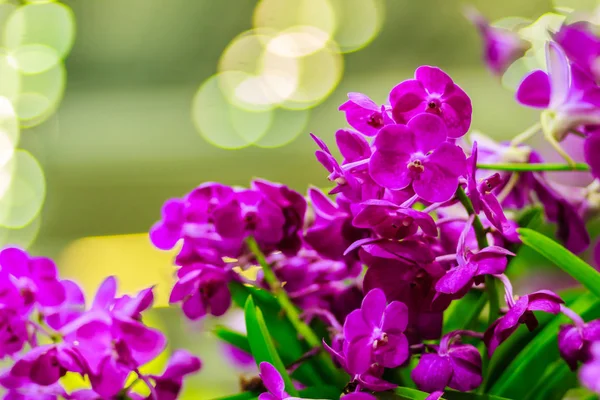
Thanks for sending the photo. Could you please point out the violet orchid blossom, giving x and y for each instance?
(418, 154)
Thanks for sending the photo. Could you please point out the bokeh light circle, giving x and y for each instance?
(319, 75)
(280, 15)
(358, 23)
(9, 131)
(22, 200)
(40, 95)
(22, 237)
(33, 58)
(48, 24)
(10, 82)
(223, 123)
(298, 41)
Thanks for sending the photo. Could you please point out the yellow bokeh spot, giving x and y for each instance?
(130, 258)
(249, 273)
(280, 15)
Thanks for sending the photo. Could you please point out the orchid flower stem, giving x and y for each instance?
(292, 314)
(535, 167)
(490, 284)
(526, 135)
(146, 380)
(557, 147)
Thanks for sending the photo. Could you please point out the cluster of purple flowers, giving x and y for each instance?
(48, 332)
(416, 215)
(416, 223)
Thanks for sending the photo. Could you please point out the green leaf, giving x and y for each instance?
(529, 366)
(262, 345)
(285, 337)
(403, 393)
(557, 381)
(464, 313)
(235, 339)
(320, 392)
(563, 258)
(454, 395)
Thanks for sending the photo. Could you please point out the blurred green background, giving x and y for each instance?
(123, 140)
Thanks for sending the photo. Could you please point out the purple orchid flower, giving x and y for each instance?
(250, 213)
(332, 232)
(375, 334)
(364, 115)
(572, 100)
(202, 289)
(393, 222)
(351, 177)
(471, 265)
(582, 47)
(168, 385)
(452, 364)
(417, 154)
(432, 91)
(13, 331)
(483, 198)
(589, 372)
(520, 312)
(574, 341)
(45, 365)
(293, 207)
(273, 383)
(36, 277)
(501, 47)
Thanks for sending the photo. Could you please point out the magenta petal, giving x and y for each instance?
(14, 261)
(466, 363)
(272, 380)
(353, 146)
(355, 326)
(193, 307)
(106, 293)
(358, 355)
(395, 318)
(373, 306)
(439, 180)
(390, 170)
(433, 78)
(534, 90)
(429, 132)
(220, 301)
(457, 279)
(163, 236)
(432, 373)
(592, 153)
(396, 138)
(545, 300)
(406, 98)
(396, 351)
(110, 379)
(559, 73)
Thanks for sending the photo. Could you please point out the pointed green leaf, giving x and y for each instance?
(262, 345)
(463, 313)
(234, 338)
(240, 396)
(557, 381)
(530, 364)
(320, 392)
(563, 258)
(285, 337)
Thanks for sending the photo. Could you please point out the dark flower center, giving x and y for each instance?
(416, 166)
(375, 120)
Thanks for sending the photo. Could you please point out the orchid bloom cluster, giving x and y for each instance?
(48, 332)
(388, 282)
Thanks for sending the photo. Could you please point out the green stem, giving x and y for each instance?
(292, 313)
(482, 242)
(490, 284)
(535, 167)
(526, 135)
